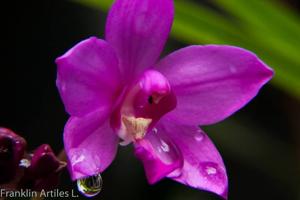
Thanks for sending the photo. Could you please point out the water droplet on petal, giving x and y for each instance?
(154, 130)
(199, 136)
(211, 170)
(176, 173)
(90, 186)
(164, 146)
(24, 163)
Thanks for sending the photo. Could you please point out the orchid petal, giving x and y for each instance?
(159, 155)
(138, 31)
(88, 77)
(203, 167)
(212, 82)
(153, 87)
(90, 144)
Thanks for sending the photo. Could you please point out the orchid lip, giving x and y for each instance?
(144, 103)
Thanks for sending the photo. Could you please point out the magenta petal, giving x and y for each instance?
(159, 155)
(203, 167)
(138, 31)
(212, 82)
(88, 77)
(90, 144)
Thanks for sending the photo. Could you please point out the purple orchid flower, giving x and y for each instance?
(116, 88)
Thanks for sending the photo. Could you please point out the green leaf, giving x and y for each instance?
(104, 5)
(269, 24)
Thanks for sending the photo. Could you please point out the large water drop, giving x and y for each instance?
(90, 186)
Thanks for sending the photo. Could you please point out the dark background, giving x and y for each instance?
(40, 31)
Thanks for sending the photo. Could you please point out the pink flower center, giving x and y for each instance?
(143, 104)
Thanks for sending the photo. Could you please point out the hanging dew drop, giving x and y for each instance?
(90, 186)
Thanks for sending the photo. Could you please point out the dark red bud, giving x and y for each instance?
(44, 171)
(12, 148)
(43, 162)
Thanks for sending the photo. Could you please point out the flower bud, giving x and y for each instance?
(12, 148)
(44, 171)
(43, 162)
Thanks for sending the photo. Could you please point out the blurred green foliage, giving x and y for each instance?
(269, 29)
